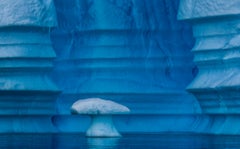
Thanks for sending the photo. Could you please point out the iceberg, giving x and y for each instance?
(101, 112)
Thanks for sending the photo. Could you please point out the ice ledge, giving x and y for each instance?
(27, 13)
(195, 9)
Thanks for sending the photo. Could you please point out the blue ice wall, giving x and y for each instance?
(27, 94)
(130, 51)
(216, 52)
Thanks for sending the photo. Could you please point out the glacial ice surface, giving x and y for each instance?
(195, 9)
(27, 13)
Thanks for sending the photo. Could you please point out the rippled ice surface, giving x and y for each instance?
(128, 141)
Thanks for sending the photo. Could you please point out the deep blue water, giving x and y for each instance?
(128, 141)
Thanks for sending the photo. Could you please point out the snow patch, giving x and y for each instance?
(98, 106)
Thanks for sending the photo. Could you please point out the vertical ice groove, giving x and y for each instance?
(129, 51)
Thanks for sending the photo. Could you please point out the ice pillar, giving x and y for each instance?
(216, 27)
(26, 57)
